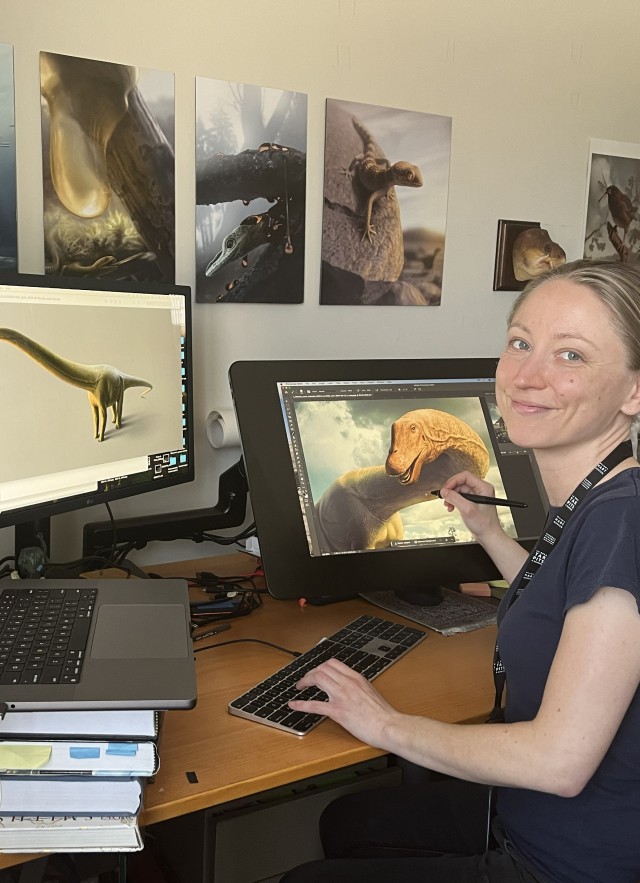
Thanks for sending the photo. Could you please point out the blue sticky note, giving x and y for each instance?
(84, 752)
(125, 749)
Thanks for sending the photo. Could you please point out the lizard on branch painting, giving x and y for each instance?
(250, 193)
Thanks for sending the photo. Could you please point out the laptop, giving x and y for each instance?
(137, 645)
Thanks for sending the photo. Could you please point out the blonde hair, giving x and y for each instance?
(618, 287)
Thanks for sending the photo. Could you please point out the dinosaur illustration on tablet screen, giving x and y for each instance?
(360, 509)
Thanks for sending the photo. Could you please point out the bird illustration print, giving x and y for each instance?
(621, 208)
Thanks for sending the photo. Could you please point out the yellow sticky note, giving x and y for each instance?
(24, 757)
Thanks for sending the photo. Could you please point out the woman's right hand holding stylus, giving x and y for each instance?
(483, 522)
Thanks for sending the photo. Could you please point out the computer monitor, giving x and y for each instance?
(341, 457)
(96, 396)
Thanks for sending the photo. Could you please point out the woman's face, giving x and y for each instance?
(562, 378)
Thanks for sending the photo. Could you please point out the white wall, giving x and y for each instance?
(527, 85)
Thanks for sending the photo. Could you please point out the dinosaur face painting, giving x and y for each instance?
(420, 437)
(534, 253)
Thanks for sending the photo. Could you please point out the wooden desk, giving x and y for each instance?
(445, 678)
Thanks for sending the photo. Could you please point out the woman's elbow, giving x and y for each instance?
(569, 780)
(565, 765)
(569, 787)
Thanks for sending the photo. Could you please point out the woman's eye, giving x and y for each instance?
(518, 344)
(571, 356)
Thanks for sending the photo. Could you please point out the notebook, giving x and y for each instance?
(138, 652)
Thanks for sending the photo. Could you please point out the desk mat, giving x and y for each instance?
(456, 612)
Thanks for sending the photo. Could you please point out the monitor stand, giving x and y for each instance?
(427, 597)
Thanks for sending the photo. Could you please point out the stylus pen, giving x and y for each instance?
(490, 501)
(221, 628)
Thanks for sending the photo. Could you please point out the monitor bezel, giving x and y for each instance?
(290, 570)
(40, 512)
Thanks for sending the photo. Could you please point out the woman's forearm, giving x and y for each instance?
(511, 755)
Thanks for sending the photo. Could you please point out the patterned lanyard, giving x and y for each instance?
(543, 548)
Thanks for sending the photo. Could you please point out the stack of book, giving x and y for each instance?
(72, 781)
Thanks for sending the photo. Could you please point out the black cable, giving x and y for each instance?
(293, 653)
(120, 553)
(249, 531)
(114, 544)
(225, 584)
(93, 562)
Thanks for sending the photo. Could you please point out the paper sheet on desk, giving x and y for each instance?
(456, 613)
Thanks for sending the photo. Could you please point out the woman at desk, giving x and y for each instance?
(565, 760)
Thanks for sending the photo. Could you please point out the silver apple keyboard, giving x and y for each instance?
(368, 645)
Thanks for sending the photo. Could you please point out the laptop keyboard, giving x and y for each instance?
(368, 645)
(43, 634)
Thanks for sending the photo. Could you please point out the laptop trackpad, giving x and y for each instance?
(140, 631)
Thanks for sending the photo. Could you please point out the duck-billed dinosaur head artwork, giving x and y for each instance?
(105, 385)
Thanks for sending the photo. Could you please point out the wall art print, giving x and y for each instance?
(251, 144)
(108, 169)
(524, 251)
(612, 225)
(8, 219)
(386, 182)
